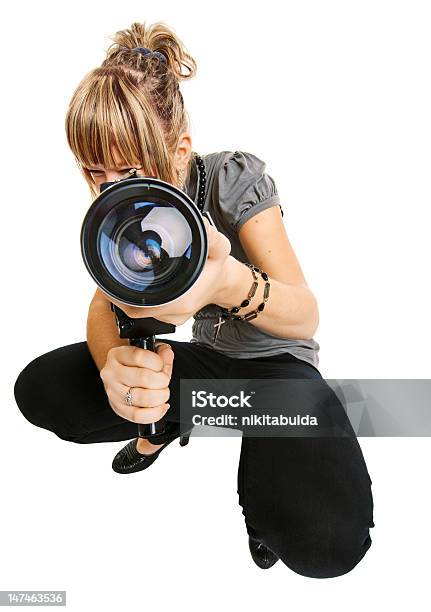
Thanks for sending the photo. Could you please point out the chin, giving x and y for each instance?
(134, 312)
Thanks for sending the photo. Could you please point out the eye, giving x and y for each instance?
(94, 172)
(98, 173)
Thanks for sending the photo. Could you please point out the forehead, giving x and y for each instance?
(118, 160)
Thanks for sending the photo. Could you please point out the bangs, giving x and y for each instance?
(107, 110)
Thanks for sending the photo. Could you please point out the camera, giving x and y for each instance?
(144, 243)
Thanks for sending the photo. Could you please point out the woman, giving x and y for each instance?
(314, 511)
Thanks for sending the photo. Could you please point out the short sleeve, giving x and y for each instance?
(244, 188)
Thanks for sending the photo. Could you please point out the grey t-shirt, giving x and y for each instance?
(237, 188)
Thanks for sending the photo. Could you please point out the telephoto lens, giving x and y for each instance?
(144, 241)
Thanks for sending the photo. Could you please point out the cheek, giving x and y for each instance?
(98, 182)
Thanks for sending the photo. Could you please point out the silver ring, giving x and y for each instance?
(128, 397)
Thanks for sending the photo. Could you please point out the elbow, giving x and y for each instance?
(307, 321)
(311, 322)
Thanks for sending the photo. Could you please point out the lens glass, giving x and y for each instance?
(145, 245)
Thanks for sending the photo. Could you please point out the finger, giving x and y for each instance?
(143, 415)
(139, 357)
(146, 398)
(137, 414)
(149, 415)
(165, 352)
(132, 376)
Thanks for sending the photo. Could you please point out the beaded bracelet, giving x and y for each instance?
(231, 314)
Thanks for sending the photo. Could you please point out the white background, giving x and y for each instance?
(335, 97)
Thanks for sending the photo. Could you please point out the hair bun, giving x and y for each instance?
(159, 39)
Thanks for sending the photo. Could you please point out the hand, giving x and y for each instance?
(148, 372)
(204, 291)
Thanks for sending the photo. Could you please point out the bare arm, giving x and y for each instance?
(292, 309)
(102, 332)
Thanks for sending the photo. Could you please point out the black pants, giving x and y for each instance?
(306, 498)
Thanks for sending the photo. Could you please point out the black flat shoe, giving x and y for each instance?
(129, 459)
(262, 555)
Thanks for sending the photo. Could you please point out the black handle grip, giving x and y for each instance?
(140, 332)
(149, 429)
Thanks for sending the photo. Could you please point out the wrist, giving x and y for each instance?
(237, 281)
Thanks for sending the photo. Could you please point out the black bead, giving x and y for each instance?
(235, 309)
(245, 303)
(202, 181)
(264, 275)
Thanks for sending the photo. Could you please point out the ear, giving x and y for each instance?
(183, 150)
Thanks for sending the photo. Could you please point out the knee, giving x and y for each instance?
(24, 391)
(326, 558)
(32, 396)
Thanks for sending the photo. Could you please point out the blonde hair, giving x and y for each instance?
(133, 101)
